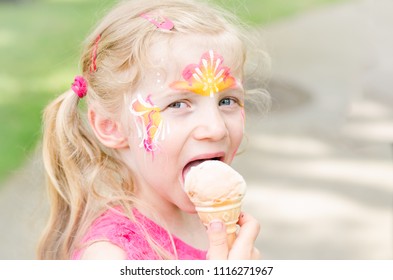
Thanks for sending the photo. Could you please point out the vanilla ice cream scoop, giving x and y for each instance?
(216, 190)
(214, 182)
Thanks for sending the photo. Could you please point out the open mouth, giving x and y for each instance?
(196, 162)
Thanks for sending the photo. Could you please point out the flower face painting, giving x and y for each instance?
(151, 127)
(206, 78)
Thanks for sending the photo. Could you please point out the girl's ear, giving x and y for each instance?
(107, 131)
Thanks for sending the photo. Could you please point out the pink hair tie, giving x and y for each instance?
(79, 86)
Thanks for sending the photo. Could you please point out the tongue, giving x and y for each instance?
(188, 167)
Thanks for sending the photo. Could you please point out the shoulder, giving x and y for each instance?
(103, 250)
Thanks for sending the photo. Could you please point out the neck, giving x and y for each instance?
(181, 224)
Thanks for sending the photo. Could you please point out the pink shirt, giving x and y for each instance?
(121, 231)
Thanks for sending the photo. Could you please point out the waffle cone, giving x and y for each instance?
(227, 212)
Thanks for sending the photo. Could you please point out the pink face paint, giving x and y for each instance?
(206, 78)
(150, 117)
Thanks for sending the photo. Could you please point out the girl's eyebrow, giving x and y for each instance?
(237, 90)
(179, 93)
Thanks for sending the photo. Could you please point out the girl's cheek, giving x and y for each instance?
(238, 130)
(243, 115)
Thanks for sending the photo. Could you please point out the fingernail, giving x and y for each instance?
(216, 225)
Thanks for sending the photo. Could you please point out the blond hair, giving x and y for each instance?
(83, 177)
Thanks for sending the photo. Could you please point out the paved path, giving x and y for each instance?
(319, 167)
(321, 171)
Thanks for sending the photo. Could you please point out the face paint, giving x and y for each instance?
(152, 124)
(206, 78)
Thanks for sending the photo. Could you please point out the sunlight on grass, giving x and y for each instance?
(6, 38)
(9, 86)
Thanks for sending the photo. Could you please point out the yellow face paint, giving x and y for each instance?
(206, 78)
(151, 122)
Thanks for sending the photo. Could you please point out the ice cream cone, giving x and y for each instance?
(227, 212)
(216, 190)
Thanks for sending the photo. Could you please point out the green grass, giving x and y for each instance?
(267, 11)
(39, 47)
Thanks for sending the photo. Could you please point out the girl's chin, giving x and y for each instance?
(189, 209)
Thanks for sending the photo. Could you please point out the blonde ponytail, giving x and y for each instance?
(74, 164)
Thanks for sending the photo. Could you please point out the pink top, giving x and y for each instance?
(128, 235)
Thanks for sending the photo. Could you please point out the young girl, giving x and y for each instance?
(163, 85)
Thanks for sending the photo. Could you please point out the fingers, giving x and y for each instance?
(243, 248)
(249, 225)
(218, 246)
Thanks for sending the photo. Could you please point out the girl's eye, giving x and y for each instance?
(177, 105)
(227, 102)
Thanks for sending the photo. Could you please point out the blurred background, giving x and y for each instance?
(319, 165)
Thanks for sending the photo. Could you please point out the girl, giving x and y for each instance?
(163, 85)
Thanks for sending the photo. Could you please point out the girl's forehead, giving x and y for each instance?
(172, 56)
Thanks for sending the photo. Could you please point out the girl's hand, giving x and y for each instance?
(243, 247)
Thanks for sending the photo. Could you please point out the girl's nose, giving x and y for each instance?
(210, 124)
